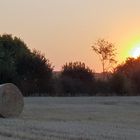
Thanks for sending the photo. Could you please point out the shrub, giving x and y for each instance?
(77, 79)
(117, 84)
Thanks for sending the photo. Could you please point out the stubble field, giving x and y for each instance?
(77, 118)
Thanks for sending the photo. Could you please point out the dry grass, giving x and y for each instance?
(96, 118)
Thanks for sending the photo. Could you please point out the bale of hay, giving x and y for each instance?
(11, 101)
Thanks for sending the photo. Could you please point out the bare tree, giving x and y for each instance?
(106, 52)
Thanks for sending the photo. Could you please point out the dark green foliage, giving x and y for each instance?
(77, 79)
(131, 71)
(78, 70)
(117, 84)
(102, 88)
(10, 50)
(36, 73)
(31, 71)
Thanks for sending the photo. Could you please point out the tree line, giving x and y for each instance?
(34, 74)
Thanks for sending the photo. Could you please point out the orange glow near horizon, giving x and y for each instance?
(65, 30)
(130, 48)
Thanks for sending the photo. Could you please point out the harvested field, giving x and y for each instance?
(79, 118)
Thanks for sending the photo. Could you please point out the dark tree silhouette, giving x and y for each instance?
(118, 84)
(36, 74)
(10, 50)
(131, 70)
(77, 79)
(106, 52)
(29, 70)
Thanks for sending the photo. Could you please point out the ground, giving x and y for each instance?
(79, 118)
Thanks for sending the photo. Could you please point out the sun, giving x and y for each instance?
(135, 52)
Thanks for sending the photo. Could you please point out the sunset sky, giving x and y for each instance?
(64, 30)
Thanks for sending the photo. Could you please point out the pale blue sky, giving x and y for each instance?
(64, 30)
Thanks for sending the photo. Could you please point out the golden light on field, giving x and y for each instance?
(135, 52)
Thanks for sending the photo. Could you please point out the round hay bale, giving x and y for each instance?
(11, 101)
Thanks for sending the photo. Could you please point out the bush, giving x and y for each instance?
(117, 84)
(77, 79)
(102, 88)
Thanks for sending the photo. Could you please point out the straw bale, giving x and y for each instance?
(11, 101)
